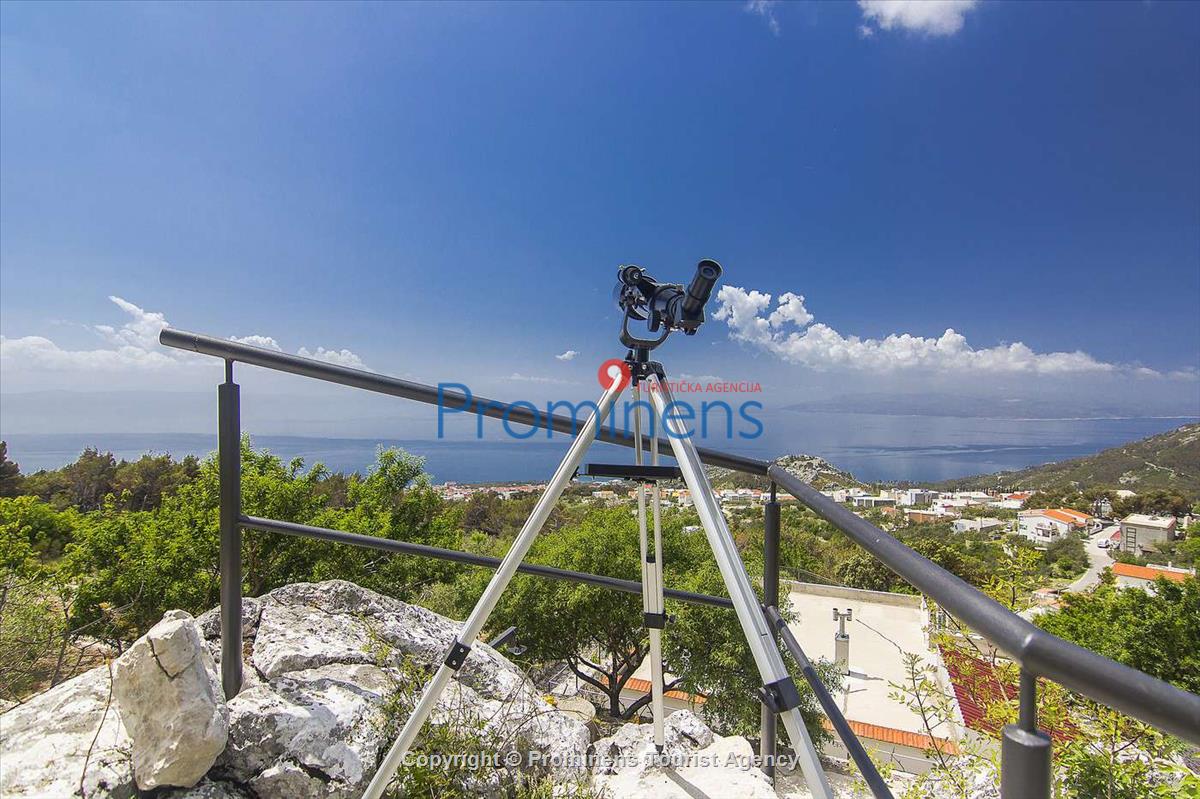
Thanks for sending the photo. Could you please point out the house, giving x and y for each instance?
(873, 502)
(1047, 525)
(917, 496)
(923, 516)
(1142, 533)
(1130, 576)
(1014, 501)
(982, 525)
(951, 507)
(843, 494)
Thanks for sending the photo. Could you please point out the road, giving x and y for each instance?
(1098, 561)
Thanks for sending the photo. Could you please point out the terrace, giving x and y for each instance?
(1025, 747)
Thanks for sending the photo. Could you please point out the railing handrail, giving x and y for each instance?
(1037, 651)
(407, 389)
(470, 559)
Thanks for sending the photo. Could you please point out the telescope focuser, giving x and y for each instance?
(664, 307)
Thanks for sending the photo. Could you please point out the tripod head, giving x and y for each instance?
(663, 306)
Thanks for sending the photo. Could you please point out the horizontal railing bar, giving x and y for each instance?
(471, 559)
(1082, 670)
(853, 746)
(394, 386)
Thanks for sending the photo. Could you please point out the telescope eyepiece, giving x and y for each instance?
(707, 273)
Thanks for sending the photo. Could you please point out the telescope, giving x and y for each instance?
(665, 307)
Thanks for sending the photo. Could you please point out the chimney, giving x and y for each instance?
(841, 641)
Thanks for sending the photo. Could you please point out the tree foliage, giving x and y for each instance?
(1153, 632)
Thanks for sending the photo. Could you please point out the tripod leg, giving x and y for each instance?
(658, 606)
(491, 595)
(652, 602)
(777, 683)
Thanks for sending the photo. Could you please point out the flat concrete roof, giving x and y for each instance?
(885, 626)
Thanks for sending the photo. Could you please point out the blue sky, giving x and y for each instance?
(444, 191)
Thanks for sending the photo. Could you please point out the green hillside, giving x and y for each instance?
(1169, 461)
(817, 472)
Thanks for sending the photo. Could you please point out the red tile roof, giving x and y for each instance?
(1147, 572)
(977, 684)
(915, 740)
(638, 685)
(1065, 515)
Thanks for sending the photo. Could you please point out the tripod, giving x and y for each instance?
(779, 690)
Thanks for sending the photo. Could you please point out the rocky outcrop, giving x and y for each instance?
(170, 702)
(632, 746)
(325, 664)
(323, 660)
(694, 762)
(68, 741)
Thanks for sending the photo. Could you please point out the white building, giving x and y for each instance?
(1141, 533)
(917, 496)
(1014, 501)
(1047, 525)
(843, 494)
(873, 502)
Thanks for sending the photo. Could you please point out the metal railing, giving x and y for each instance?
(1025, 750)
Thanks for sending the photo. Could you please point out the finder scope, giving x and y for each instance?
(665, 307)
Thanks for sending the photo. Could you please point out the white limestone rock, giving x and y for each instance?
(631, 748)
(723, 768)
(171, 703)
(67, 741)
(323, 660)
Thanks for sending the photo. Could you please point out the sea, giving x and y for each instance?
(870, 446)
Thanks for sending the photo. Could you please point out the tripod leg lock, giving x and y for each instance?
(457, 655)
(657, 621)
(781, 695)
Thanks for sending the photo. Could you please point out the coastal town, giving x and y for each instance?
(998, 513)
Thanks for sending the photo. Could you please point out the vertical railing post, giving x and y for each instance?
(766, 745)
(229, 461)
(1025, 750)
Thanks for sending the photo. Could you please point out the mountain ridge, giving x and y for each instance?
(1167, 461)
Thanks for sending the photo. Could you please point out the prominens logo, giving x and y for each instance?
(613, 371)
(705, 418)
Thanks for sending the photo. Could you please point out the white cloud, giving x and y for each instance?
(789, 332)
(132, 346)
(933, 17)
(37, 352)
(766, 10)
(336, 357)
(569, 355)
(266, 342)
